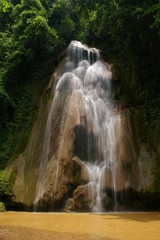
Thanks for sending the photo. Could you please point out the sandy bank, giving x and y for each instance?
(35, 226)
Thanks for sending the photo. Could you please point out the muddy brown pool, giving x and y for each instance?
(66, 226)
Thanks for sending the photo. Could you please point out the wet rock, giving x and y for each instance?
(85, 144)
(118, 182)
(141, 201)
(80, 172)
(107, 202)
(77, 46)
(19, 183)
(55, 186)
(84, 197)
(70, 205)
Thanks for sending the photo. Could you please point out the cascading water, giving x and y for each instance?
(102, 119)
(85, 84)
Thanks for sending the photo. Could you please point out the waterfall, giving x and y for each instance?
(102, 118)
(91, 116)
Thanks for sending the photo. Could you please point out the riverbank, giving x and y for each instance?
(77, 226)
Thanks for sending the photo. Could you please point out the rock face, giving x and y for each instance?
(82, 154)
(146, 165)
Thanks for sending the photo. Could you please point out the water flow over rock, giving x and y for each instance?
(81, 154)
(85, 83)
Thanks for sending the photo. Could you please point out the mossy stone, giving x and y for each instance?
(2, 207)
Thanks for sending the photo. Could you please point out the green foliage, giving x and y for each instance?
(2, 207)
(25, 38)
(31, 31)
(7, 178)
(62, 16)
(152, 120)
(5, 190)
(28, 4)
(4, 4)
(17, 121)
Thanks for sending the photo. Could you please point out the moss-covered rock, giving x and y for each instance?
(7, 179)
(2, 207)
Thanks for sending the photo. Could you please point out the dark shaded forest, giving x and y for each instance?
(33, 33)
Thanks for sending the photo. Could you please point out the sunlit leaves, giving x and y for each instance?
(155, 10)
(4, 4)
(28, 4)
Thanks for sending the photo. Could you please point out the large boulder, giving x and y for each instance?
(70, 205)
(85, 197)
